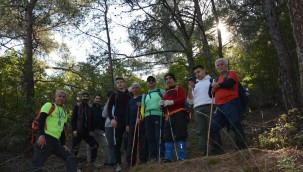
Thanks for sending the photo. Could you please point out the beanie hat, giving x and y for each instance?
(171, 75)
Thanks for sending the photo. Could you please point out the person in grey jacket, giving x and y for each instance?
(109, 132)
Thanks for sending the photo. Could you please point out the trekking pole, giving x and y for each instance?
(115, 133)
(160, 135)
(134, 138)
(172, 134)
(138, 141)
(209, 125)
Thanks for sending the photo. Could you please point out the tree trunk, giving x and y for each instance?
(28, 69)
(220, 47)
(111, 71)
(296, 15)
(284, 75)
(190, 58)
(205, 44)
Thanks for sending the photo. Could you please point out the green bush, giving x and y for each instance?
(287, 132)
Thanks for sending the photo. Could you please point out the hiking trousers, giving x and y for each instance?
(119, 132)
(53, 146)
(90, 140)
(100, 137)
(178, 125)
(227, 114)
(111, 146)
(152, 128)
(201, 116)
(143, 146)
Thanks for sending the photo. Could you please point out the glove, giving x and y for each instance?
(168, 103)
(161, 102)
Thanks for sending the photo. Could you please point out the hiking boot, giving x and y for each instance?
(108, 164)
(166, 161)
(216, 152)
(95, 165)
(153, 160)
(118, 167)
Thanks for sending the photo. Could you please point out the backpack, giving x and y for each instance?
(186, 107)
(243, 95)
(35, 123)
(159, 92)
(242, 92)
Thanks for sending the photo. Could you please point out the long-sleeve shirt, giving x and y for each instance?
(118, 100)
(176, 94)
(97, 119)
(228, 89)
(105, 115)
(200, 92)
(132, 110)
(81, 118)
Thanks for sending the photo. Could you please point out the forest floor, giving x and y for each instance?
(248, 160)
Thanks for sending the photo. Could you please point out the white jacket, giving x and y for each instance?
(200, 92)
(105, 115)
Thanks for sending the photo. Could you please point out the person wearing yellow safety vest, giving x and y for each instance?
(51, 137)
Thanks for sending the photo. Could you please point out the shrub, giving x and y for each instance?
(287, 132)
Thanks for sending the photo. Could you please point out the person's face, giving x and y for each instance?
(221, 66)
(200, 73)
(151, 83)
(120, 84)
(84, 98)
(97, 100)
(136, 90)
(169, 81)
(60, 99)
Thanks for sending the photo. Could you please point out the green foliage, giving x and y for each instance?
(287, 132)
(179, 69)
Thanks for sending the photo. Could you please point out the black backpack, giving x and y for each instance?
(243, 94)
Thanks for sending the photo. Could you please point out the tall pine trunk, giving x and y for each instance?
(206, 48)
(28, 68)
(111, 71)
(220, 46)
(296, 15)
(284, 73)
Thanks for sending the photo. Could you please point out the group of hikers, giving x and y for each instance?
(153, 127)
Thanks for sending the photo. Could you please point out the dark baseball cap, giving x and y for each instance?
(151, 78)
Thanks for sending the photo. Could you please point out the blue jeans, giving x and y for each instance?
(227, 114)
(152, 128)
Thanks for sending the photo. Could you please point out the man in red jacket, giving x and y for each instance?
(227, 110)
(175, 127)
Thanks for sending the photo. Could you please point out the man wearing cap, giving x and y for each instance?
(82, 126)
(176, 120)
(152, 113)
(198, 96)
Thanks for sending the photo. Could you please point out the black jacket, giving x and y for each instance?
(97, 119)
